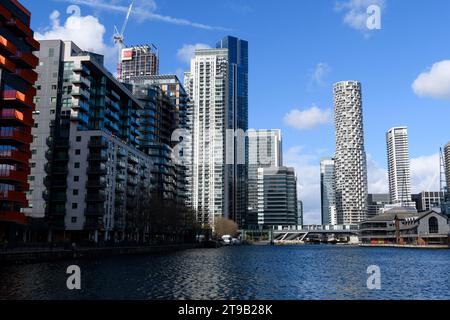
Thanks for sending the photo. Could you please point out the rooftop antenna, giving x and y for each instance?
(119, 40)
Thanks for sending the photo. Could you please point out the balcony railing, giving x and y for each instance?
(17, 116)
(13, 196)
(15, 155)
(13, 175)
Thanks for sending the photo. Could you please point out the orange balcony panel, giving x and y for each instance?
(35, 45)
(14, 196)
(8, 65)
(8, 45)
(16, 217)
(5, 14)
(29, 76)
(15, 156)
(13, 175)
(14, 96)
(16, 116)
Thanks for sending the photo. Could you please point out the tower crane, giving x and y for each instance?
(119, 39)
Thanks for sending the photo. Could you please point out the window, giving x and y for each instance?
(54, 87)
(78, 138)
(75, 192)
(74, 220)
(38, 87)
(78, 151)
(74, 205)
(53, 99)
(52, 111)
(31, 178)
(51, 52)
(77, 165)
(33, 164)
(36, 125)
(433, 225)
(76, 178)
(34, 151)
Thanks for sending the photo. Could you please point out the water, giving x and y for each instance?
(247, 272)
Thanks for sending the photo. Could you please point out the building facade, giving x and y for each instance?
(219, 83)
(138, 61)
(398, 166)
(265, 150)
(447, 164)
(427, 200)
(376, 203)
(327, 192)
(86, 167)
(350, 157)
(17, 77)
(277, 197)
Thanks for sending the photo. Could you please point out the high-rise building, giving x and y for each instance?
(237, 114)
(398, 166)
(277, 197)
(138, 61)
(376, 203)
(218, 84)
(17, 78)
(350, 157)
(327, 191)
(86, 167)
(265, 150)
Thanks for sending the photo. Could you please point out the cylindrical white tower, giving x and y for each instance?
(350, 157)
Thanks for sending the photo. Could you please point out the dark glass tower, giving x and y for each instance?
(237, 116)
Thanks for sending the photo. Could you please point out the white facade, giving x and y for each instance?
(398, 166)
(350, 157)
(208, 89)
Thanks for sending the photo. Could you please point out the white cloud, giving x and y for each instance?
(356, 12)
(144, 10)
(307, 168)
(377, 177)
(425, 173)
(321, 71)
(75, 29)
(307, 119)
(434, 82)
(187, 52)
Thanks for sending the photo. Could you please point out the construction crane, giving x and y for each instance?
(119, 39)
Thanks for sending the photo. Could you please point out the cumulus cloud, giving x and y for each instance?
(187, 52)
(434, 82)
(356, 12)
(425, 173)
(307, 168)
(308, 118)
(377, 177)
(319, 74)
(75, 28)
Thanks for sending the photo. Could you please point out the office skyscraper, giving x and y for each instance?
(398, 166)
(218, 84)
(265, 150)
(237, 114)
(350, 157)
(17, 77)
(277, 197)
(327, 191)
(447, 165)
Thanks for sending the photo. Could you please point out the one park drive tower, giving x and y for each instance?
(350, 157)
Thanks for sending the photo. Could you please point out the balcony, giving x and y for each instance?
(14, 196)
(80, 104)
(101, 143)
(13, 175)
(79, 116)
(58, 197)
(10, 216)
(133, 181)
(96, 183)
(79, 79)
(29, 76)
(78, 91)
(8, 65)
(26, 59)
(98, 157)
(18, 98)
(16, 117)
(96, 197)
(56, 211)
(15, 156)
(132, 170)
(121, 165)
(121, 153)
(97, 170)
(120, 177)
(133, 159)
(95, 211)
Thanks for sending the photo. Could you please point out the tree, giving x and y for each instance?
(224, 226)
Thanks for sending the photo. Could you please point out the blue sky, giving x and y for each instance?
(298, 49)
